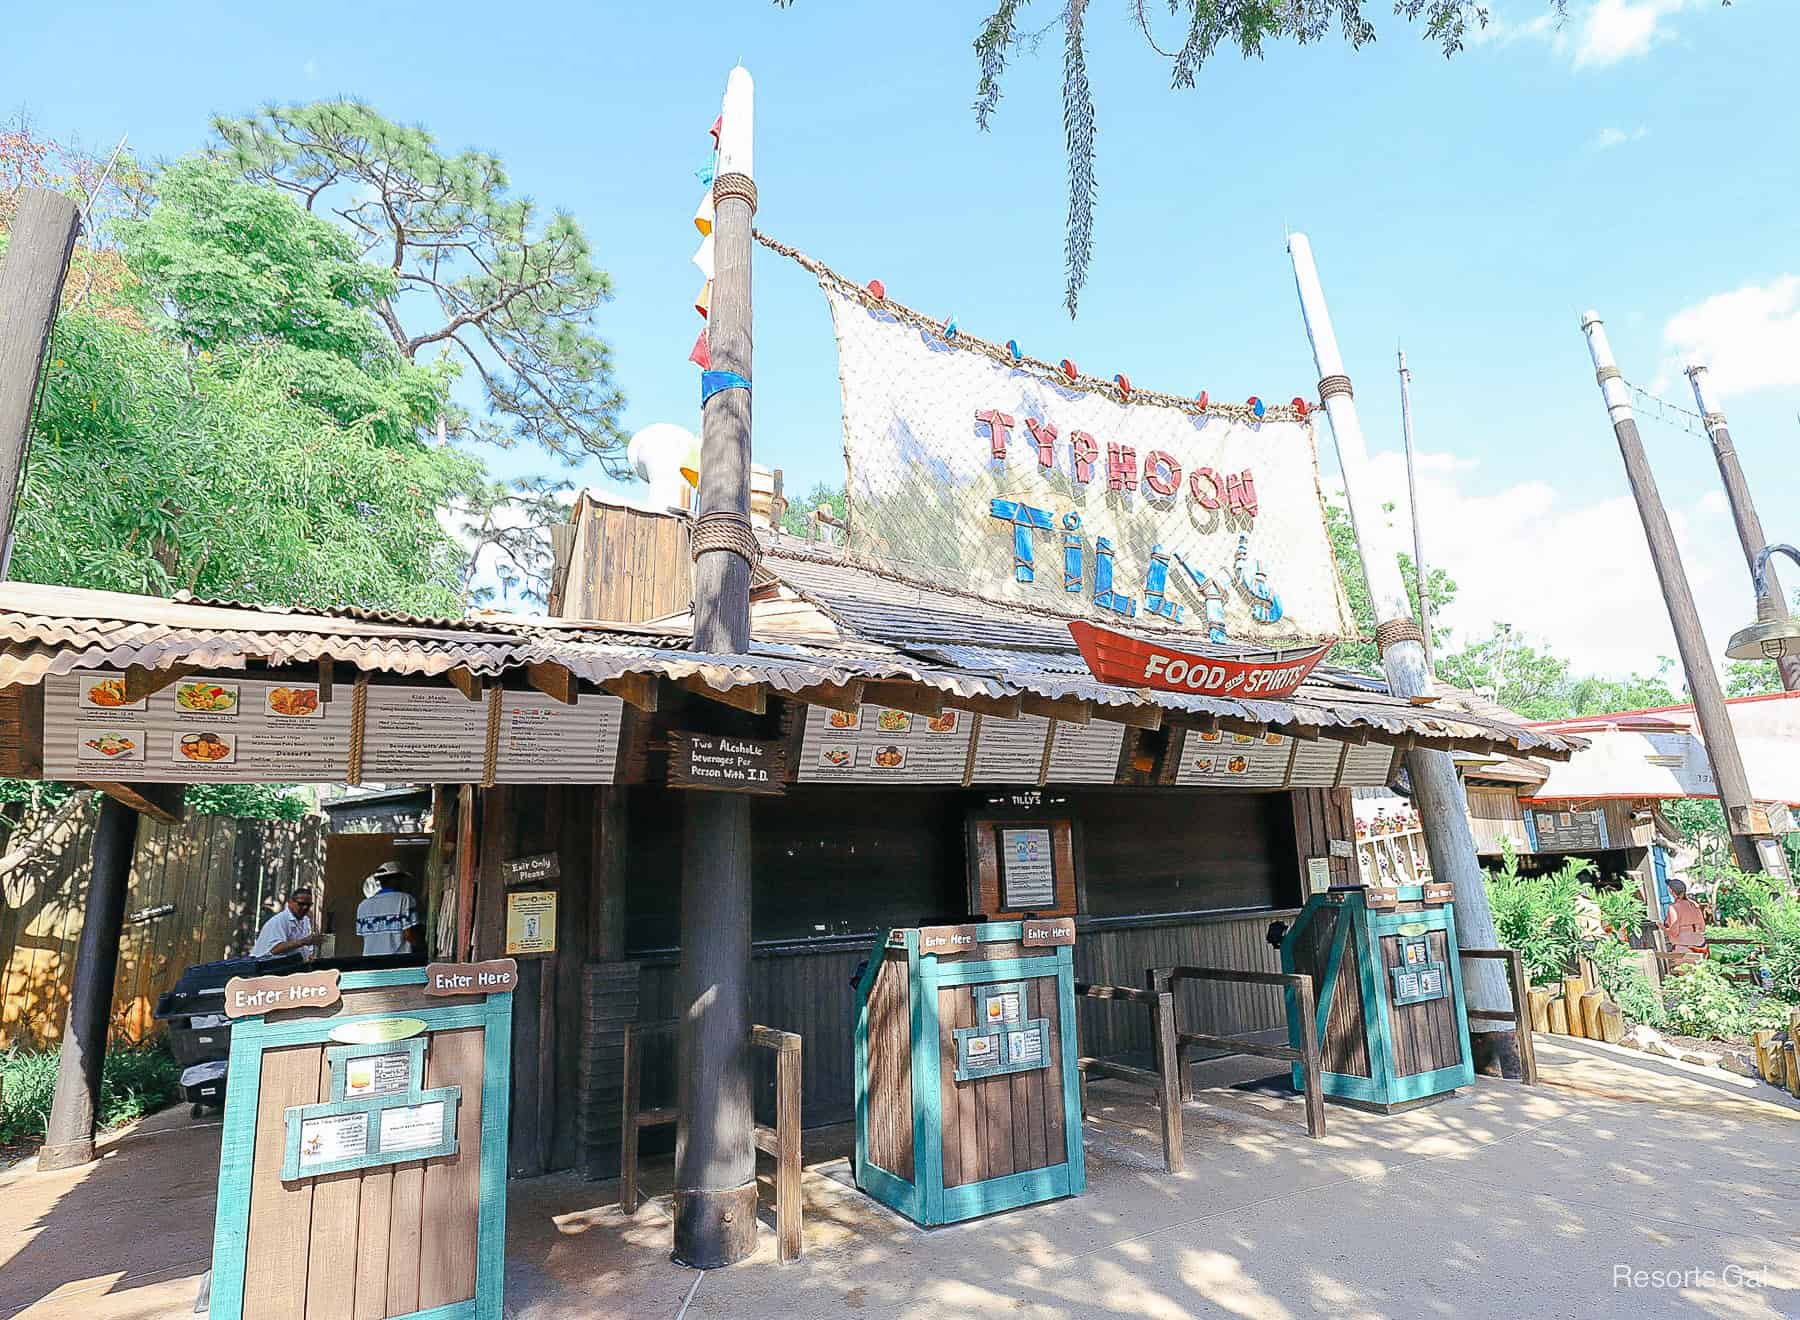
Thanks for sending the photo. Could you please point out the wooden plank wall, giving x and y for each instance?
(627, 565)
(1495, 816)
(223, 876)
(1321, 815)
(1425, 1034)
(548, 1006)
(1012, 1123)
(890, 1069)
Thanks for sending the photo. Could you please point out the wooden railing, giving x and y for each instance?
(1162, 1082)
(781, 1141)
(1299, 1000)
(1520, 1017)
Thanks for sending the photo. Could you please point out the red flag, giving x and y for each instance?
(702, 355)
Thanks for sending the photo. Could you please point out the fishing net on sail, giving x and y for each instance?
(975, 469)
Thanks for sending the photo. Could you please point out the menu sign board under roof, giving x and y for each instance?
(986, 476)
(229, 729)
(882, 745)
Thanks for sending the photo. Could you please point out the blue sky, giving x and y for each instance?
(1637, 160)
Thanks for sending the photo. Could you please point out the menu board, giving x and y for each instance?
(1084, 753)
(1027, 871)
(878, 744)
(412, 1127)
(1569, 831)
(1012, 751)
(333, 1137)
(243, 730)
(1213, 758)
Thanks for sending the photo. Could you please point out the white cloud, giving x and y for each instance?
(1594, 35)
(1750, 337)
(1610, 137)
(1569, 571)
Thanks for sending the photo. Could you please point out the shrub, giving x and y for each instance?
(137, 1080)
(1622, 909)
(1740, 899)
(1702, 1002)
(1781, 925)
(1624, 981)
(1536, 915)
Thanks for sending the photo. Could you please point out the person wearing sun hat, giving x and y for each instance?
(387, 918)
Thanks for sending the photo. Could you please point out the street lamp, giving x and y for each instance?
(1774, 634)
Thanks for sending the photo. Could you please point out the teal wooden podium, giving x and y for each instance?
(967, 1090)
(1392, 1024)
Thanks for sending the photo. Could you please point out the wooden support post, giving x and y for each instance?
(1312, 1063)
(905, 696)
(752, 697)
(553, 680)
(69, 1139)
(715, 1158)
(1743, 510)
(1168, 1068)
(1697, 663)
(637, 690)
(42, 238)
(1443, 809)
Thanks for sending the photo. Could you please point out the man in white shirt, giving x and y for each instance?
(289, 929)
(387, 918)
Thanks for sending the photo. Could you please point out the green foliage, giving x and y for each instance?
(136, 1080)
(1751, 678)
(152, 473)
(1358, 653)
(473, 270)
(247, 801)
(1740, 899)
(1622, 909)
(1702, 1002)
(1625, 983)
(1780, 924)
(1198, 29)
(1536, 915)
(798, 520)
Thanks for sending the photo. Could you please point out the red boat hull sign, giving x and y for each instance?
(1114, 657)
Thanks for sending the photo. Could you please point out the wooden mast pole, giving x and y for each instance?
(1443, 808)
(715, 1162)
(1690, 640)
(31, 282)
(1412, 500)
(1743, 509)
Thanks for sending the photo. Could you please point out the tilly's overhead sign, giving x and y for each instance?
(993, 478)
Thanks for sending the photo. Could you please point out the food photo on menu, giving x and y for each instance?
(108, 694)
(294, 703)
(113, 745)
(205, 746)
(207, 698)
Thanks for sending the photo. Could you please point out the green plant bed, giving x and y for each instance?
(137, 1080)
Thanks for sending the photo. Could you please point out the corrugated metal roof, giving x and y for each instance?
(888, 632)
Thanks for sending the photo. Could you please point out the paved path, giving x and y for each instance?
(1502, 1202)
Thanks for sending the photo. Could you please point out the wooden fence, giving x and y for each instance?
(199, 892)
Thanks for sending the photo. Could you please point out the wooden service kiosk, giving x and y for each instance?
(362, 1170)
(1392, 1024)
(967, 1091)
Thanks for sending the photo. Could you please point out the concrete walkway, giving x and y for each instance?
(1503, 1201)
